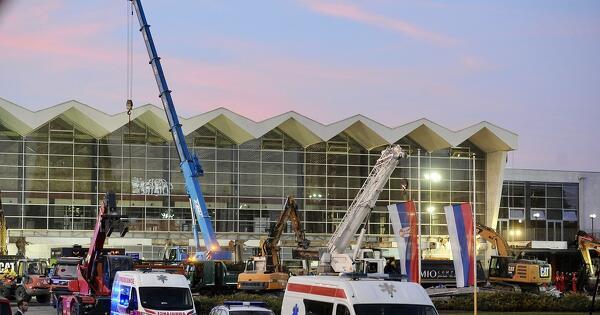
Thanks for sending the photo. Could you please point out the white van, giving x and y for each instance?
(139, 292)
(339, 295)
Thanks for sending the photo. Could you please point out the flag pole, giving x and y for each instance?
(474, 239)
(419, 211)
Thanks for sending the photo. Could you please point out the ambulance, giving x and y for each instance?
(340, 295)
(151, 293)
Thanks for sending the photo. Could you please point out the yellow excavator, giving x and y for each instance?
(265, 272)
(507, 268)
(585, 243)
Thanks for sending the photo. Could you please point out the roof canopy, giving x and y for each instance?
(368, 133)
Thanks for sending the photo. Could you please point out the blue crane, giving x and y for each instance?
(190, 166)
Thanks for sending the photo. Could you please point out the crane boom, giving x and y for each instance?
(190, 166)
(365, 199)
(335, 257)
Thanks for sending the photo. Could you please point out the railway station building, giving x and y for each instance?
(56, 164)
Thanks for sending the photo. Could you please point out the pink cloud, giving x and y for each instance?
(357, 14)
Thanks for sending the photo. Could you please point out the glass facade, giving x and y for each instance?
(53, 179)
(539, 211)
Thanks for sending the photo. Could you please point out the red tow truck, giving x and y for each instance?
(90, 293)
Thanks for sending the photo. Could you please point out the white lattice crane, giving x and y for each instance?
(358, 212)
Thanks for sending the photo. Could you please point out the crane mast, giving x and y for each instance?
(360, 209)
(190, 166)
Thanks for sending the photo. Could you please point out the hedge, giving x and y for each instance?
(205, 303)
(517, 302)
(486, 301)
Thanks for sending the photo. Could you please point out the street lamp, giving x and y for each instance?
(431, 210)
(592, 216)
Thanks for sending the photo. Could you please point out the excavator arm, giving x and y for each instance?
(587, 242)
(269, 248)
(495, 238)
(3, 230)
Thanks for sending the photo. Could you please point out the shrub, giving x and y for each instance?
(205, 303)
(515, 301)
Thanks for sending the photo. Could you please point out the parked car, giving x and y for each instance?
(241, 308)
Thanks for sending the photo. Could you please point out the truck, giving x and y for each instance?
(335, 259)
(140, 292)
(90, 292)
(265, 271)
(352, 295)
(63, 271)
(24, 278)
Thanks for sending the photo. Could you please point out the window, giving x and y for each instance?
(318, 307)
(389, 309)
(341, 309)
(569, 215)
(538, 214)
(516, 214)
(157, 298)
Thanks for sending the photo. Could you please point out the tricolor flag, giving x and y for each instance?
(404, 222)
(460, 228)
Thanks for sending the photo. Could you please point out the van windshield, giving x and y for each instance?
(161, 298)
(390, 309)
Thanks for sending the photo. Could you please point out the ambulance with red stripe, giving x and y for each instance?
(340, 295)
(151, 293)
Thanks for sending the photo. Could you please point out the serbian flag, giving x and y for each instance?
(404, 222)
(460, 229)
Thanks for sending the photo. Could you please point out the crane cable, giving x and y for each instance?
(129, 102)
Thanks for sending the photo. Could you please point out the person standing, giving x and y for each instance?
(22, 307)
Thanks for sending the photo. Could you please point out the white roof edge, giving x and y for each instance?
(110, 123)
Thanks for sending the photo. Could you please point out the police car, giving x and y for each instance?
(241, 308)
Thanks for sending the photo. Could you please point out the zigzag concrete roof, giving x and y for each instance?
(365, 131)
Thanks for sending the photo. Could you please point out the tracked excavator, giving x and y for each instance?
(507, 268)
(265, 272)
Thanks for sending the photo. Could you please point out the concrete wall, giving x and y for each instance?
(589, 189)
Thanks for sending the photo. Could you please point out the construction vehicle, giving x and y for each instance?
(265, 271)
(63, 271)
(24, 278)
(507, 268)
(586, 243)
(189, 163)
(3, 231)
(362, 260)
(90, 293)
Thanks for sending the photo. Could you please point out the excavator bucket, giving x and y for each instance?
(111, 220)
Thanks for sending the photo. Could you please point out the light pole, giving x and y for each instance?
(430, 209)
(592, 216)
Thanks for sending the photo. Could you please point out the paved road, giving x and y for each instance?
(36, 308)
